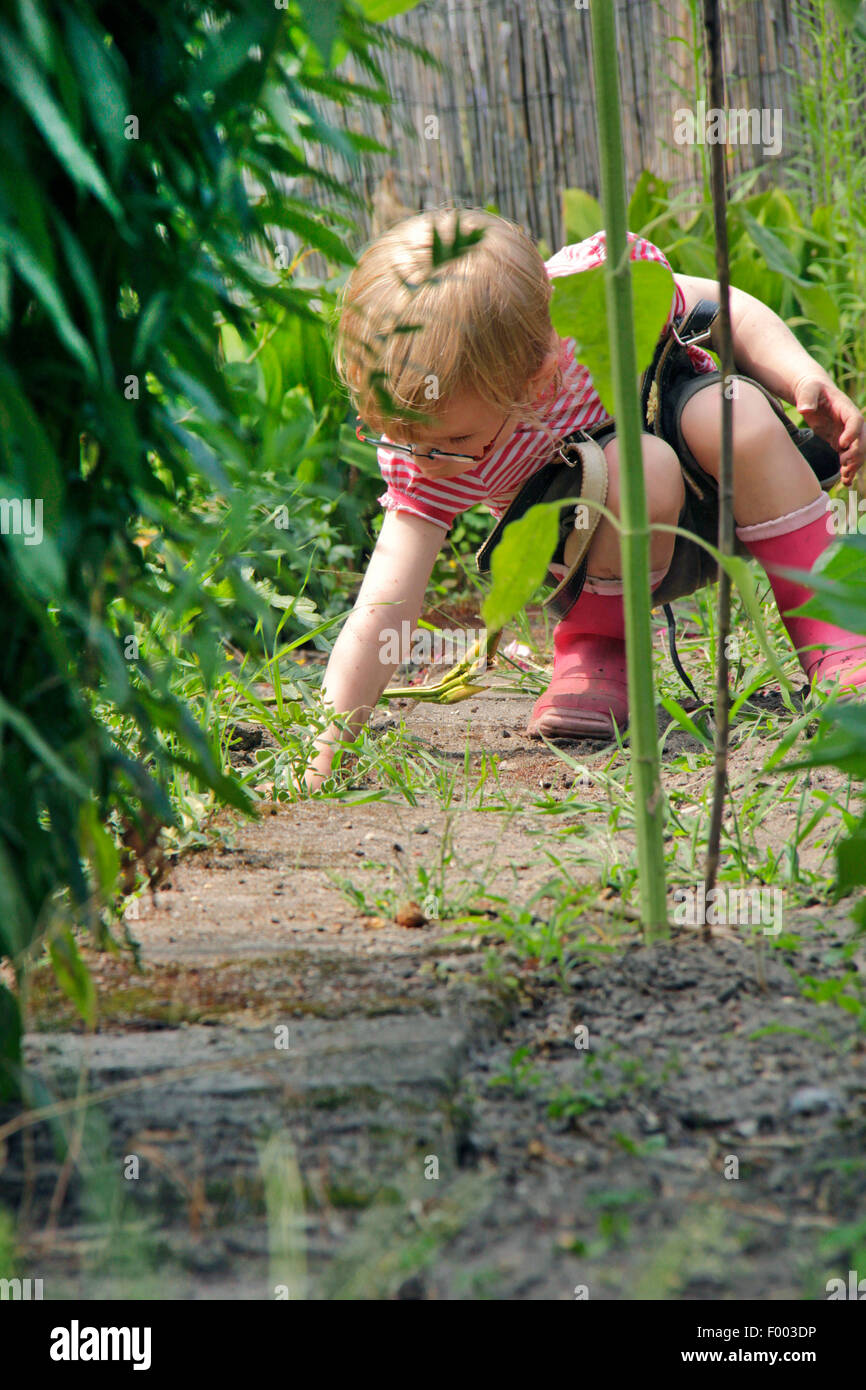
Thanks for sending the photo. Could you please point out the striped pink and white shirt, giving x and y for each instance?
(575, 405)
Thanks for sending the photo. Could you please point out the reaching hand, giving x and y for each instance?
(313, 779)
(835, 417)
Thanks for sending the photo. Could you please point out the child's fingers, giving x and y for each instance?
(852, 441)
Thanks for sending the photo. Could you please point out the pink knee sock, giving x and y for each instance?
(796, 540)
(599, 610)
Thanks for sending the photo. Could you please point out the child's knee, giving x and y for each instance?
(701, 422)
(663, 479)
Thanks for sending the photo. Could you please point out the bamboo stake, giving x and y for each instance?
(634, 534)
(715, 82)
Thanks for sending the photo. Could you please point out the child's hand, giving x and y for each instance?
(835, 417)
(313, 780)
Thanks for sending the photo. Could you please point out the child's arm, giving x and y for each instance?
(392, 593)
(765, 348)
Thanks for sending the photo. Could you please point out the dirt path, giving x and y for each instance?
(384, 1111)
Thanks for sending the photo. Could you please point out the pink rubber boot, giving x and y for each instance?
(588, 690)
(797, 540)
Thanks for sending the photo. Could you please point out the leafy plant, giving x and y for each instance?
(149, 154)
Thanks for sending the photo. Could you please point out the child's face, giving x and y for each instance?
(467, 425)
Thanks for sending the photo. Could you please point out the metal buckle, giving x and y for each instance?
(585, 439)
(690, 342)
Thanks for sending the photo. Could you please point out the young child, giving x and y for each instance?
(500, 389)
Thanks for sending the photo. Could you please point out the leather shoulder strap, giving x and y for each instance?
(594, 489)
(699, 320)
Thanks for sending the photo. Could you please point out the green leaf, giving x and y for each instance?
(36, 30)
(578, 309)
(49, 296)
(380, 10)
(73, 976)
(46, 755)
(227, 52)
(99, 849)
(519, 562)
(102, 86)
(851, 862)
(82, 273)
(10, 1045)
(838, 580)
(842, 742)
(819, 305)
(773, 249)
(742, 575)
(322, 23)
(150, 326)
(28, 84)
(21, 431)
(444, 251)
(582, 216)
(676, 711)
(852, 13)
(15, 917)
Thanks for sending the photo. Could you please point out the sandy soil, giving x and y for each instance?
(437, 1126)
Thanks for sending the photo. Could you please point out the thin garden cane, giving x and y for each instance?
(715, 81)
(634, 533)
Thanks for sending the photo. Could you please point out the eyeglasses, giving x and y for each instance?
(413, 449)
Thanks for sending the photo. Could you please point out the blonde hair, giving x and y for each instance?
(483, 320)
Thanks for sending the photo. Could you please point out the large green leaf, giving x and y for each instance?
(519, 562)
(578, 310)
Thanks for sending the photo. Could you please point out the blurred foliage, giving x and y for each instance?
(164, 389)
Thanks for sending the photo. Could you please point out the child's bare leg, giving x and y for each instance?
(771, 477)
(665, 492)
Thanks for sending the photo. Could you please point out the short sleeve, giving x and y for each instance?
(408, 491)
(592, 252)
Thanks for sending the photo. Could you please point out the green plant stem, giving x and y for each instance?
(634, 534)
(715, 77)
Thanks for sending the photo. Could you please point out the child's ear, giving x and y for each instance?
(543, 376)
